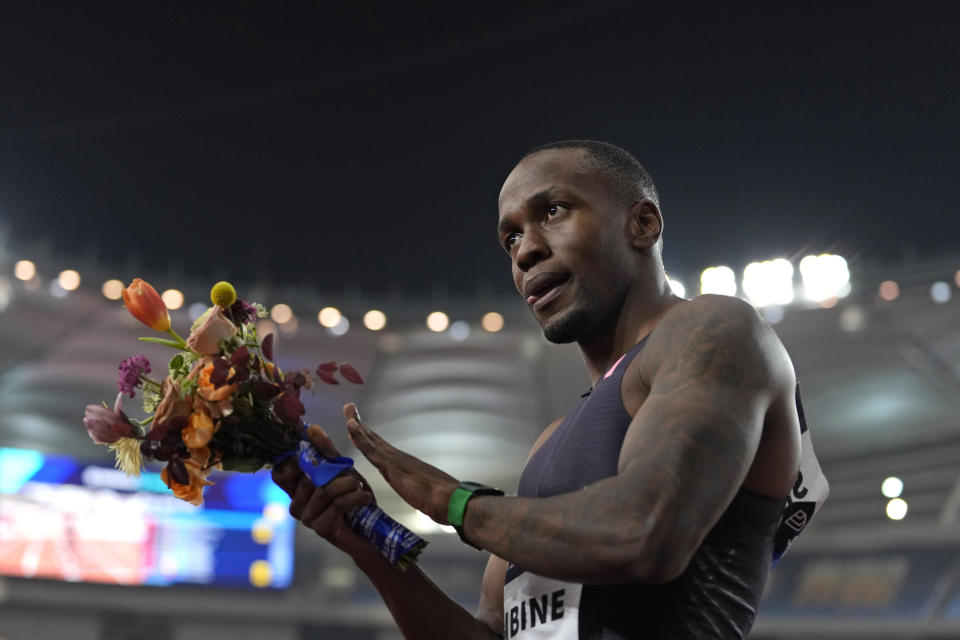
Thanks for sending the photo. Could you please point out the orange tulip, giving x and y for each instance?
(146, 305)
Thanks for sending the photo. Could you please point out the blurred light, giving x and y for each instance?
(889, 290)
(112, 289)
(34, 284)
(6, 293)
(391, 342)
(437, 321)
(769, 282)
(721, 280)
(892, 487)
(291, 325)
(677, 287)
(940, 292)
(261, 574)
(24, 270)
(773, 315)
(173, 298)
(275, 512)
(265, 327)
(340, 328)
(261, 532)
(853, 319)
(56, 290)
(825, 276)
(329, 317)
(897, 509)
(459, 331)
(956, 278)
(829, 303)
(492, 322)
(375, 320)
(69, 279)
(196, 310)
(281, 313)
(423, 524)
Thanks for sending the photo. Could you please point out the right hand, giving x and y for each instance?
(323, 509)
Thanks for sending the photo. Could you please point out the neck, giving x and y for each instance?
(639, 314)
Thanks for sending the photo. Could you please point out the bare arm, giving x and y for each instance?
(419, 607)
(713, 372)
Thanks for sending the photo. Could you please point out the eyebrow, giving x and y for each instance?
(538, 197)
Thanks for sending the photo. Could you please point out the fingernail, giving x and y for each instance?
(356, 413)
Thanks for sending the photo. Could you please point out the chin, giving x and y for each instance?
(567, 326)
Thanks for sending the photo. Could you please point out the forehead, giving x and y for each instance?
(547, 170)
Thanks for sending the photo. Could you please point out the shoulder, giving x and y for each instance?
(717, 336)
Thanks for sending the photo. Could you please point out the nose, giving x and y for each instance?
(533, 248)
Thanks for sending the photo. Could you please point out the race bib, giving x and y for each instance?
(538, 608)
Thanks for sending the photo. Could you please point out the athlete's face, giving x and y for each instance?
(566, 234)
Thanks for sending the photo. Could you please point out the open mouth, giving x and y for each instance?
(544, 288)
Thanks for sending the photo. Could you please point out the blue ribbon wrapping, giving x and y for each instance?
(393, 539)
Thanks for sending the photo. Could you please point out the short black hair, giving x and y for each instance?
(627, 176)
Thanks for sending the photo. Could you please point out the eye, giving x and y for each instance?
(510, 241)
(553, 209)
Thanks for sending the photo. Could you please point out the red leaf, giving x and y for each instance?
(266, 347)
(329, 367)
(326, 377)
(350, 374)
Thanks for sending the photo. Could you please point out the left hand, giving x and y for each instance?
(422, 486)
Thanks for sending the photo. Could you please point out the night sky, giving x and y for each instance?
(364, 144)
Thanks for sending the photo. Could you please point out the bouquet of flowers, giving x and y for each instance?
(225, 404)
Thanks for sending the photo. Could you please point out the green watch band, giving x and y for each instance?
(458, 504)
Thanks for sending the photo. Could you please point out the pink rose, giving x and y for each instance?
(212, 330)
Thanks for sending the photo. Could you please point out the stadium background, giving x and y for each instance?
(349, 158)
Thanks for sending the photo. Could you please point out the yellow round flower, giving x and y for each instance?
(223, 294)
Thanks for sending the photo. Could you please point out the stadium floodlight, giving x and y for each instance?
(677, 287)
(459, 331)
(69, 279)
(173, 298)
(281, 313)
(940, 292)
(892, 487)
(721, 280)
(112, 289)
(438, 321)
(341, 328)
(329, 317)
(24, 270)
(769, 282)
(492, 321)
(375, 320)
(897, 509)
(825, 276)
(889, 290)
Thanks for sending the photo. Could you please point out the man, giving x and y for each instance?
(649, 511)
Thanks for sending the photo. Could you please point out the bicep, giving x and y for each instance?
(490, 610)
(693, 440)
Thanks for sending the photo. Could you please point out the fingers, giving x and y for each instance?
(333, 516)
(322, 442)
(350, 412)
(301, 496)
(368, 442)
(286, 475)
(321, 497)
(323, 508)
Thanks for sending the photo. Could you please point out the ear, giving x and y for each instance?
(645, 225)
